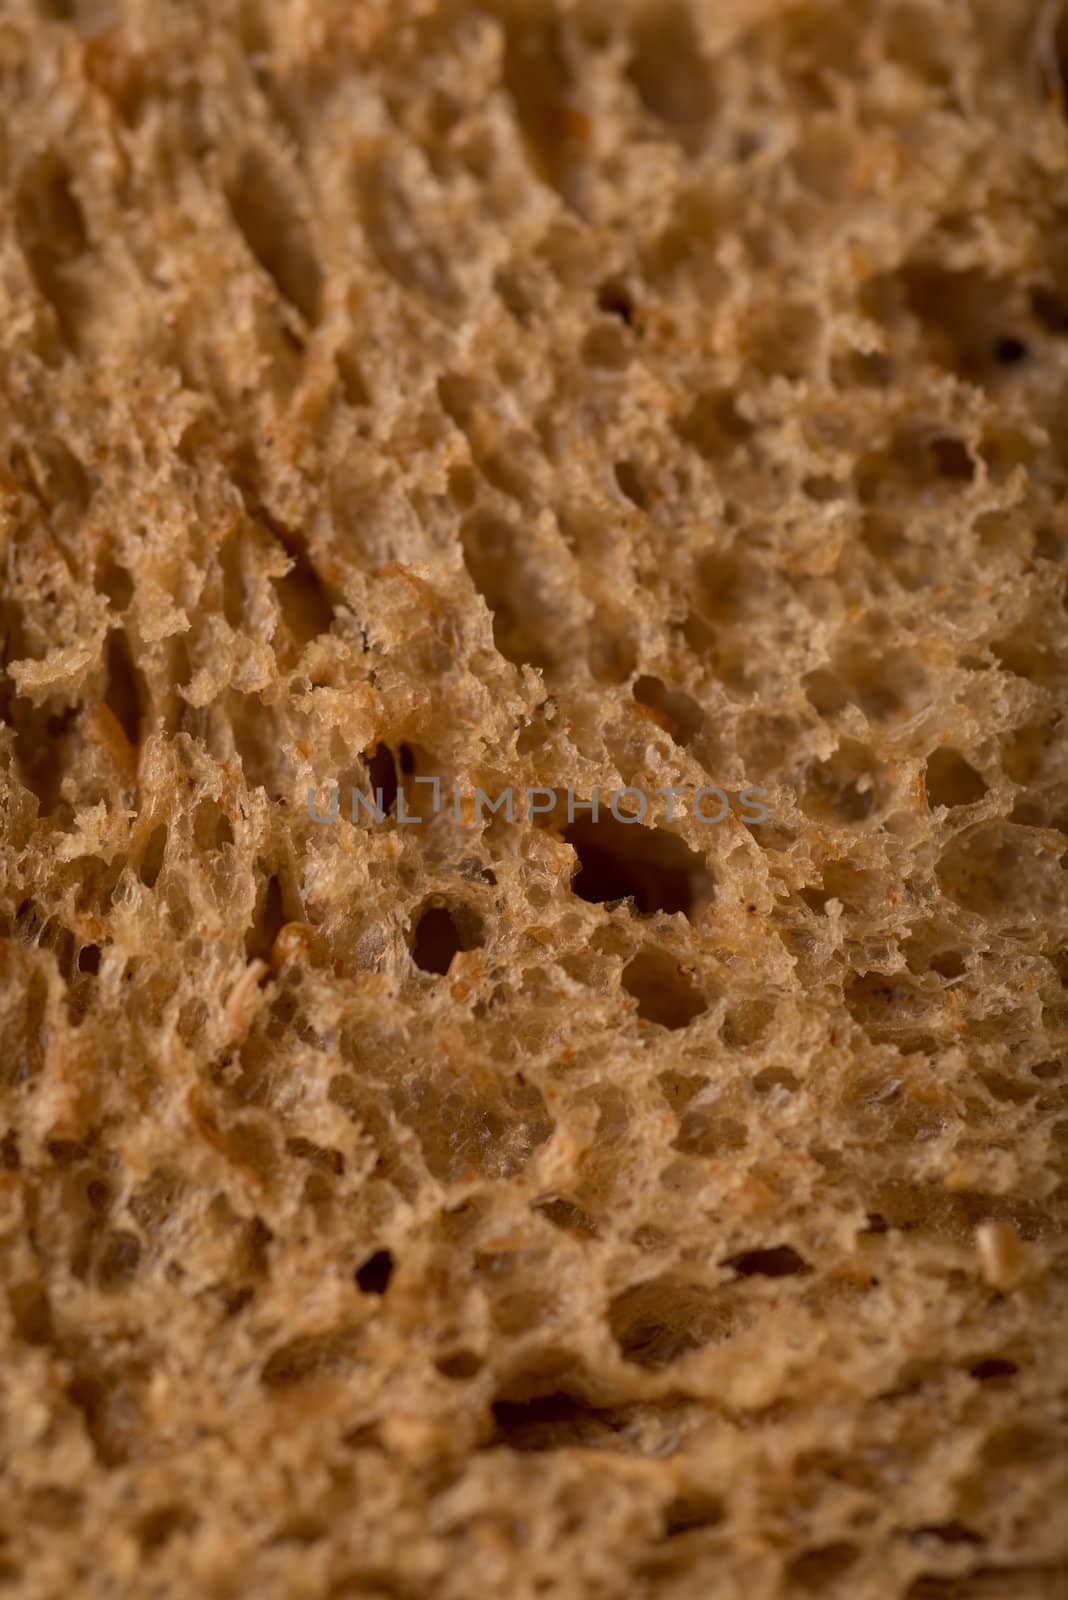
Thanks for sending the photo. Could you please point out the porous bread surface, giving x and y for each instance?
(563, 393)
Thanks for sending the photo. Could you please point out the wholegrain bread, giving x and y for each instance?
(551, 396)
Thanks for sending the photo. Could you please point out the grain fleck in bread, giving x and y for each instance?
(563, 394)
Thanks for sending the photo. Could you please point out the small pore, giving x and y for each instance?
(847, 787)
(656, 1322)
(153, 855)
(437, 940)
(268, 922)
(1010, 351)
(310, 1356)
(304, 600)
(373, 1277)
(951, 781)
(675, 711)
(538, 78)
(770, 1079)
(667, 67)
(119, 1259)
(382, 773)
(1001, 870)
(493, 556)
(51, 231)
(212, 829)
(993, 1367)
(552, 1421)
(628, 861)
(396, 235)
(1050, 308)
(664, 993)
(111, 1411)
(951, 458)
(160, 1525)
(123, 697)
(116, 583)
(276, 235)
(703, 1133)
(693, 1509)
(955, 311)
(779, 1261)
(31, 1312)
(606, 347)
(813, 1570)
(440, 933)
(615, 299)
(1059, 58)
(89, 959)
(459, 1365)
(629, 482)
(354, 385)
(714, 426)
(566, 1215)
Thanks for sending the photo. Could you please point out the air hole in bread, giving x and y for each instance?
(628, 478)
(212, 829)
(664, 993)
(398, 236)
(1000, 870)
(1010, 351)
(615, 299)
(628, 861)
(566, 1215)
(152, 856)
(693, 1509)
(885, 1004)
(493, 554)
(816, 1569)
(89, 959)
(459, 1365)
(373, 1277)
(667, 66)
(714, 426)
(706, 1132)
(849, 786)
(31, 1312)
(268, 920)
(305, 602)
(276, 234)
(437, 940)
(992, 1367)
(677, 712)
(111, 1403)
(354, 385)
(952, 781)
(50, 228)
(124, 694)
(770, 1079)
(117, 1259)
(324, 1159)
(159, 1526)
(657, 1322)
(311, 1356)
(746, 1023)
(540, 82)
(952, 459)
(606, 346)
(555, 1421)
(778, 1261)
(383, 777)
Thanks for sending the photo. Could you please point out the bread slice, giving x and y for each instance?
(544, 397)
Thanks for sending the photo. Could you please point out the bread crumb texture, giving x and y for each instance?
(563, 393)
